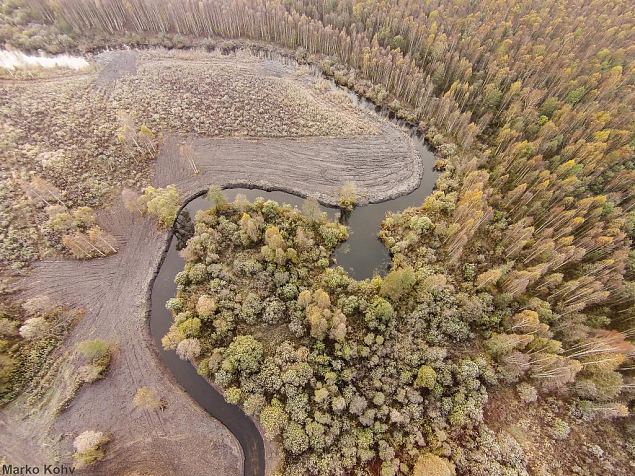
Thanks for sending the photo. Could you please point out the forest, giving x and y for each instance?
(513, 281)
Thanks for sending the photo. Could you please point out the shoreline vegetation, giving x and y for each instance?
(504, 330)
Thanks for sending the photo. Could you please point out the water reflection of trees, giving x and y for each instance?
(344, 215)
(183, 229)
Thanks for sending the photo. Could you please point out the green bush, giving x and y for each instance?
(398, 283)
(426, 377)
(97, 352)
(162, 203)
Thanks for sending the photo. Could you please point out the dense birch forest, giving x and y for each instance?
(518, 272)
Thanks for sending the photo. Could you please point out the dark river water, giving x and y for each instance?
(361, 255)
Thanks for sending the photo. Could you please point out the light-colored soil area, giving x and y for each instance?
(116, 65)
(382, 166)
(114, 291)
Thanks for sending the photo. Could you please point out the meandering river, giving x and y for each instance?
(361, 255)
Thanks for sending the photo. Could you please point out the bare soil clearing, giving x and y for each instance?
(114, 291)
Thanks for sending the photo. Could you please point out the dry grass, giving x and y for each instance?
(65, 128)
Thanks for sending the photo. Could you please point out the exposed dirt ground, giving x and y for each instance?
(382, 166)
(114, 291)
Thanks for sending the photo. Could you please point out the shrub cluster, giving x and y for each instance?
(344, 373)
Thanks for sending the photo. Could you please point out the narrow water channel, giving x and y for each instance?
(361, 255)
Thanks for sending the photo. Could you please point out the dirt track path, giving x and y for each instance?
(114, 291)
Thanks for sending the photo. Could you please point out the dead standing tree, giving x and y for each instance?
(186, 151)
(38, 189)
(136, 139)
